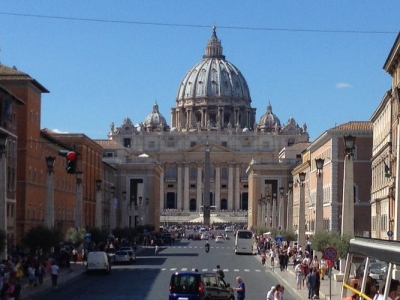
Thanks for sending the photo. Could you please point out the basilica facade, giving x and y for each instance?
(161, 166)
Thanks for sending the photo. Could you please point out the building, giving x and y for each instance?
(329, 146)
(213, 107)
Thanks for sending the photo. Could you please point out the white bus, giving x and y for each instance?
(245, 242)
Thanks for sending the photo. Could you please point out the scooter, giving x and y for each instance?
(207, 247)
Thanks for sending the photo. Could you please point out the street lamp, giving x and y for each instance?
(99, 214)
(3, 190)
(301, 233)
(289, 223)
(125, 211)
(348, 187)
(50, 192)
(78, 207)
(319, 201)
(259, 220)
(281, 208)
(206, 189)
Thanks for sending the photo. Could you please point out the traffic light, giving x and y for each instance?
(71, 162)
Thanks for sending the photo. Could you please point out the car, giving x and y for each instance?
(97, 261)
(204, 236)
(377, 271)
(228, 229)
(199, 286)
(219, 239)
(124, 256)
(130, 250)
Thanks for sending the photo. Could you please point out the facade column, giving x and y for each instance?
(281, 213)
(348, 197)
(259, 215)
(237, 188)
(199, 201)
(78, 206)
(218, 186)
(230, 187)
(49, 191)
(274, 210)
(162, 197)
(112, 209)
(269, 218)
(186, 188)
(263, 202)
(319, 205)
(289, 223)
(179, 187)
(301, 233)
(99, 213)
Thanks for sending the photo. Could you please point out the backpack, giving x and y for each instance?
(221, 274)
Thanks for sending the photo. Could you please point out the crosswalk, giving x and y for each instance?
(213, 270)
(191, 247)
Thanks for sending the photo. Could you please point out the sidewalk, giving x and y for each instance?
(65, 275)
(329, 289)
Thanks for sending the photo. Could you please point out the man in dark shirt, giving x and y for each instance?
(240, 289)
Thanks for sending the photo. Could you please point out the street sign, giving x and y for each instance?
(88, 238)
(279, 239)
(330, 253)
(390, 233)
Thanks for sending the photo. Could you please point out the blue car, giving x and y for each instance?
(199, 286)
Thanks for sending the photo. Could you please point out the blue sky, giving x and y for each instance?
(319, 62)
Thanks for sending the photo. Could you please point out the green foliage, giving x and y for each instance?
(125, 233)
(75, 235)
(41, 237)
(289, 235)
(322, 240)
(99, 235)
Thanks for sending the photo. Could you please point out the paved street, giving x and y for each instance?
(148, 279)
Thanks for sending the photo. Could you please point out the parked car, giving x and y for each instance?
(204, 236)
(199, 286)
(124, 257)
(228, 229)
(97, 261)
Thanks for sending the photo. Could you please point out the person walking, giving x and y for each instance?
(55, 272)
(220, 273)
(310, 279)
(240, 289)
(323, 265)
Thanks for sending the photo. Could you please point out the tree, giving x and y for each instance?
(41, 237)
(75, 235)
(322, 240)
(99, 235)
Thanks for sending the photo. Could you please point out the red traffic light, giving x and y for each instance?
(71, 156)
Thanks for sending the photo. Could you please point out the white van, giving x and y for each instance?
(97, 261)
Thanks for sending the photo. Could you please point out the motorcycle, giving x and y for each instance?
(207, 248)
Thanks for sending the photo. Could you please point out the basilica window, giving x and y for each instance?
(127, 142)
(171, 172)
(224, 144)
(193, 174)
(224, 174)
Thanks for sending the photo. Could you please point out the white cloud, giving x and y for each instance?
(343, 85)
(58, 131)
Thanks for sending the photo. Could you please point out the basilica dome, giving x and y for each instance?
(269, 121)
(214, 76)
(155, 120)
(217, 85)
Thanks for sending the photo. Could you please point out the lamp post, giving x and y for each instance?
(269, 211)
(273, 210)
(112, 208)
(3, 190)
(348, 187)
(319, 202)
(289, 223)
(50, 192)
(99, 213)
(259, 219)
(78, 207)
(263, 202)
(125, 210)
(301, 233)
(281, 208)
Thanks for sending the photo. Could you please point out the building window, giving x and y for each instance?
(192, 144)
(193, 174)
(127, 142)
(151, 144)
(192, 186)
(290, 142)
(224, 174)
(224, 144)
(171, 172)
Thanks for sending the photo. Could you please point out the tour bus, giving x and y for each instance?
(245, 242)
(370, 258)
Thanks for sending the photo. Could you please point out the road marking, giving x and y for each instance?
(184, 269)
(258, 270)
(246, 270)
(173, 269)
(235, 270)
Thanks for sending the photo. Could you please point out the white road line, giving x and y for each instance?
(184, 269)
(246, 270)
(235, 270)
(173, 269)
